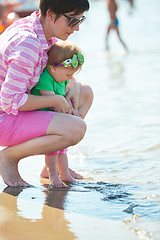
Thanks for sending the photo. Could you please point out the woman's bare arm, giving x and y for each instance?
(36, 102)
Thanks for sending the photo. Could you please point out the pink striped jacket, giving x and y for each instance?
(23, 56)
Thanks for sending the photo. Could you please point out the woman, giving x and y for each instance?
(23, 56)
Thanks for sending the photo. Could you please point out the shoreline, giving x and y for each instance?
(55, 223)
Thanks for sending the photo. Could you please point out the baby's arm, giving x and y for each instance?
(72, 95)
(46, 93)
(61, 104)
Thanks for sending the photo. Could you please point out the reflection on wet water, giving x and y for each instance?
(17, 220)
(89, 203)
(87, 198)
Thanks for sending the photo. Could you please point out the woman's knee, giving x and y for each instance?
(87, 93)
(70, 127)
(77, 131)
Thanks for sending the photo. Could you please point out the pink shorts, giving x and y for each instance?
(25, 126)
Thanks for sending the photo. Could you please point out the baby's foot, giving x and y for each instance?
(9, 172)
(66, 177)
(75, 175)
(56, 182)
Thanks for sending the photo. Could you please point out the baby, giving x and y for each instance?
(64, 60)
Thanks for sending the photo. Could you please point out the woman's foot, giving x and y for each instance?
(44, 173)
(9, 172)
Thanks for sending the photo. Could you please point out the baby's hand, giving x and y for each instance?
(74, 111)
(62, 105)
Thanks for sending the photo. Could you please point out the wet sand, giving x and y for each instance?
(51, 222)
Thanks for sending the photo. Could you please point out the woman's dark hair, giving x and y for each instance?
(64, 6)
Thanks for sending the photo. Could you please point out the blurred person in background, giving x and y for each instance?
(114, 23)
(131, 2)
(7, 15)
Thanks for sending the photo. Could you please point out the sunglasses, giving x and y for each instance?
(74, 20)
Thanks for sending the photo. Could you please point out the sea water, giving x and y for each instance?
(120, 153)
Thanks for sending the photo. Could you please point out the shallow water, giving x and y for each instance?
(120, 153)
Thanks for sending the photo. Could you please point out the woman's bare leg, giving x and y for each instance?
(85, 99)
(63, 131)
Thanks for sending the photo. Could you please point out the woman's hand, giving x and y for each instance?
(60, 104)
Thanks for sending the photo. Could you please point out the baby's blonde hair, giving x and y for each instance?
(61, 51)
